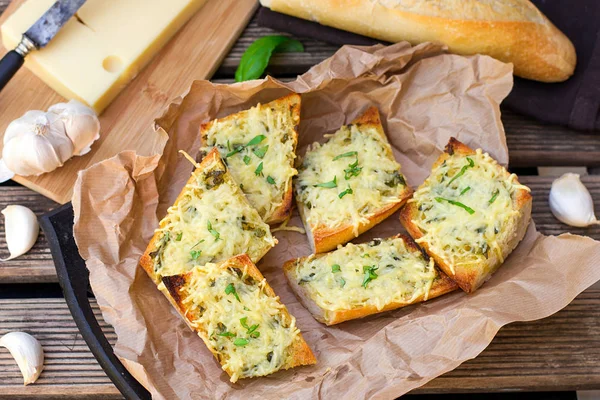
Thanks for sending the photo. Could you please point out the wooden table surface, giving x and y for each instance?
(561, 352)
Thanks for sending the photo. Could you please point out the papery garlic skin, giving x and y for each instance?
(81, 124)
(22, 230)
(36, 143)
(571, 202)
(27, 352)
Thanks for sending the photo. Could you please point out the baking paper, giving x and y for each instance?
(424, 96)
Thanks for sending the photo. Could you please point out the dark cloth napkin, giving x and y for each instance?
(574, 103)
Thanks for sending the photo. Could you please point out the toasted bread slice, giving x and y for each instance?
(359, 280)
(468, 215)
(240, 319)
(259, 146)
(349, 184)
(210, 221)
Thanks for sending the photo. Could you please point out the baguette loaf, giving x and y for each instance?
(512, 31)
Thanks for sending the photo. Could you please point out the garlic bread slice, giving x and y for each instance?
(349, 184)
(240, 319)
(469, 214)
(359, 280)
(259, 146)
(210, 221)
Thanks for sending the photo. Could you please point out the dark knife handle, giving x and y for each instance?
(9, 65)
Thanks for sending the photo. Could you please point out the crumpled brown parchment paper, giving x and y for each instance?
(425, 96)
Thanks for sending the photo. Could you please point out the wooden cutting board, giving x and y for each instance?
(194, 52)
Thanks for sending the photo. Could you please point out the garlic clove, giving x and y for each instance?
(27, 352)
(5, 172)
(81, 124)
(571, 202)
(22, 229)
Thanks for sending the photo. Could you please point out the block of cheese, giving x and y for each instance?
(103, 47)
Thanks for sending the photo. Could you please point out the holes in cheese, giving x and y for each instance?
(351, 177)
(466, 210)
(375, 274)
(259, 147)
(210, 222)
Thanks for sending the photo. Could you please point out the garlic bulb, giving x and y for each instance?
(571, 202)
(27, 352)
(22, 230)
(36, 143)
(81, 124)
(40, 142)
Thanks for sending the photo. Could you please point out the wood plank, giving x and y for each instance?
(561, 352)
(37, 265)
(195, 52)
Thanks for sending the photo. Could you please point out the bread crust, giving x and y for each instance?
(176, 288)
(293, 102)
(519, 34)
(470, 277)
(442, 285)
(322, 238)
(146, 261)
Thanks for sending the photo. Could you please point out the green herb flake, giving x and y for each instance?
(456, 203)
(212, 231)
(370, 274)
(247, 160)
(236, 149)
(261, 151)
(462, 170)
(197, 243)
(230, 289)
(241, 342)
(342, 282)
(353, 170)
(345, 192)
(195, 254)
(258, 170)
(494, 196)
(336, 268)
(179, 236)
(256, 140)
(228, 145)
(270, 180)
(465, 190)
(328, 185)
(348, 154)
(226, 334)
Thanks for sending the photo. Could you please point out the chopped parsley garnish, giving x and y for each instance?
(345, 192)
(236, 149)
(226, 334)
(258, 170)
(494, 196)
(353, 170)
(241, 342)
(456, 203)
(247, 160)
(256, 140)
(328, 185)
(212, 231)
(370, 274)
(348, 154)
(462, 170)
(342, 282)
(336, 268)
(197, 243)
(261, 151)
(195, 254)
(465, 190)
(270, 180)
(179, 236)
(228, 145)
(250, 330)
(230, 289)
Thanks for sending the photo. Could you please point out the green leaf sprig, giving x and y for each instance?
(494, 196)
(213, 232)
(370, 274)
(230, 289)
(328, 185)
(456, 203)
(462, 170)
(257, 56)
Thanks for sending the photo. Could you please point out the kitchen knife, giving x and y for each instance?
(38, 36)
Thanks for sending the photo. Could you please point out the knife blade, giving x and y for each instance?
(37, 36)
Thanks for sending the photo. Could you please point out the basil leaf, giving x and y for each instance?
(236, 149)
(345, 192)
(244, 322)
(494, 196)
(370, 274)
(328, 185)
(354, 170)
(241, 342)
(195, 254)
(258, 170)
(465, 190)
(247, 160)
(179, 236)
(256, 140)
(212, 231)
(270, 180)
(456, 203)
(336, 268)
(260, 152)
(342, 282)
(348, 154)
(257, 56)
(230, 289)
(462, 170)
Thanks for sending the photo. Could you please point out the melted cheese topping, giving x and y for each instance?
(336, 280)
(264, 189)
(243, 349)
(365, 182)
(461, 237)
(211, 222)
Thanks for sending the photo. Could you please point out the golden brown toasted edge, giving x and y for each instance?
(291, 102)
(469, 279)
(146, 260)
(176, 288)
(441, 285)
